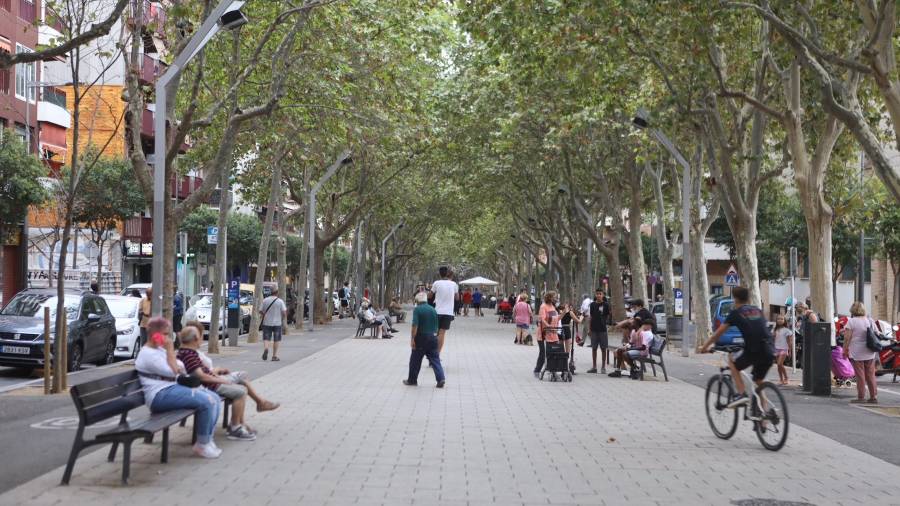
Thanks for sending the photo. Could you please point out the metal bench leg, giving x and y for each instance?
(653, 366)
(194, 432)
(149, 439)
(662, 365)
(112, 452)
(126, 461)
(165, 446)
(73, 455)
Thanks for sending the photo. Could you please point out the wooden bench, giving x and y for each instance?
(655, 358)
(364, 325)
(116, 395)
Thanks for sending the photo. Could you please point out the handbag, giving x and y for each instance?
(872, 341)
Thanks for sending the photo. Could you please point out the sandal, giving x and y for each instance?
(267, 406)
(276, 359)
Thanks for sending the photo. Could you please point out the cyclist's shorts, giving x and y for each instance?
(761, 363)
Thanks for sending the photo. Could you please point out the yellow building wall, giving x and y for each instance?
(102, 119)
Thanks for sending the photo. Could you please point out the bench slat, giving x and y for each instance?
(89, 387)
(113, 407)
(101, 396)
(150, 424)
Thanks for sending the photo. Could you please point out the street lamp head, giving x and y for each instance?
(233, 17)
(347, 161)
(401, 226)
(641, 118)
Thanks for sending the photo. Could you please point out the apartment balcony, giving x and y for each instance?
(52, 109)
(147, 124)
(27, 10)
(151, 68)
(153, 16)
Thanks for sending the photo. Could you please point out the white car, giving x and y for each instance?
(128, 332)
(140, 287)
(659, 312)
(203, 307)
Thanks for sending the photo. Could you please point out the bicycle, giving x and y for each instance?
(767, 409)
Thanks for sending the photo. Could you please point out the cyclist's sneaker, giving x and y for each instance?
(738, 400)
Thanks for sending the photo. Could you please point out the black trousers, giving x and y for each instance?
(542, 356)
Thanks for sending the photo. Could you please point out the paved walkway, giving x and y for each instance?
(348, 432)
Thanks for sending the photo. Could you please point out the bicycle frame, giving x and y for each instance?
(756, 402)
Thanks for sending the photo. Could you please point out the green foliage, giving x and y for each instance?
(195, 225)
(244, 235)
(107, 194)
(20, 175)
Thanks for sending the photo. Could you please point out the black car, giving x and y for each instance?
(91, 329)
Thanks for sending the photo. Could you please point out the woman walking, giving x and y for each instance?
(783, 347)
(547, 325)
(522, 316)
(861, 356)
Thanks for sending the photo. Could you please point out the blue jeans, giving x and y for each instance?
(426, 346)
(181, 397)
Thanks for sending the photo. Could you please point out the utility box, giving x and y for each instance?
(234, 325)
(817, 358)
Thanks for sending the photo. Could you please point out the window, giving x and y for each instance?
(25, 74)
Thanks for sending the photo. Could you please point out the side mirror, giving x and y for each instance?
(93, 317)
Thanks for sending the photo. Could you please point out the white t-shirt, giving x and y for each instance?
(781, 338)
(272, 315)
(444, 293)
(586, 306)
(153, 361)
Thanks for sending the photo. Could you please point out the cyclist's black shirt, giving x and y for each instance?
(752, 324)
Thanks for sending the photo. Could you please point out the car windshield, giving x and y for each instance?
(204, 301)
(726, 307)
(32, 304)
(123, 308)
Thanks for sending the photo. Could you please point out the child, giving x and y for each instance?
(568, 315)
(783, 347)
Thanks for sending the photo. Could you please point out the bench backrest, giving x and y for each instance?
(106, 397)
(658, 346)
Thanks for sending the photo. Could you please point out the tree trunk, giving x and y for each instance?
(633, 236)
(302, 275)
(331, 269)
(318, 291)
(262, 260)
(220, 265)
(282, 249)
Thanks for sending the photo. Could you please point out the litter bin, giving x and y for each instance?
(675, 329)
(817, 358)
(234, 324)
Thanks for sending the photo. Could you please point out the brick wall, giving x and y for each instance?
(102, 119)
(883, 290)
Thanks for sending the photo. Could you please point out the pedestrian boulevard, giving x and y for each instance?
(348, 432)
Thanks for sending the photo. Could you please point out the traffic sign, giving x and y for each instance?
(731, 277)
(679, 301)
(212, 235)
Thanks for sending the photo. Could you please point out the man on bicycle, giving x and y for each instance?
(758, 343)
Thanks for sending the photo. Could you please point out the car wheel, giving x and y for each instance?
(75, 357)
(136, 348)
(109, 355)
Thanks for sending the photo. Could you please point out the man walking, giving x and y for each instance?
(274, 316)
(144, 313)
(344, 295)
(424, 342)
(177, 310)
(476, 302)
(446, 292)
(601, 316)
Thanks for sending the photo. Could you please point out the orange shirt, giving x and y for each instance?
(549, 313)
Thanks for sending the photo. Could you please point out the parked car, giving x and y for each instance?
(140, 287)
(124, 309)
(91, 329)
(659, 312)
(720, 308)
(203, 303)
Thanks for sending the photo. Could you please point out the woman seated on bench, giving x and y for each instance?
(164, 384)
(638, 346)
(396, 310)
(382, 324)
(234, 386)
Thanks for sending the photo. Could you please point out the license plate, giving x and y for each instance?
(19, 350)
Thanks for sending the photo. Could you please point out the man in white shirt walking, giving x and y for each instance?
(274, 316)
(446, 292)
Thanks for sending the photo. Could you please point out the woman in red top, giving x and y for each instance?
(467, 301)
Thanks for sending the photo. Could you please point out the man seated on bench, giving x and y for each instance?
(234, 386)
(165, 387)
(638, 345)
(383, 326)
(396, 310)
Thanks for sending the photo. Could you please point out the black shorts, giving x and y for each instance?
(599, 339)
(760, 361)
(444, 321)
(476, 305)
(345, 303)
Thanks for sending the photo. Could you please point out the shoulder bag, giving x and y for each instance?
(872, 341)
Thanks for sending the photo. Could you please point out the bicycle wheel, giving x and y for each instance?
(722, 421)
(772, 430)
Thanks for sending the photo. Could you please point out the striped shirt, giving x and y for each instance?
(192, 362)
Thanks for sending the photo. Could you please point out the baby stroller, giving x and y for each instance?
(557, 360)
(841, 368)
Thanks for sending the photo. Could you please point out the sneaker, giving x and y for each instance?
(266, 354)
(387, 336)
(207, 451)
(239, 433)
(410, 383)
(602, 370)
(738, 400)
(858, 401)
(592, 370)
(615, 374)
(440, 384)
(537, 375)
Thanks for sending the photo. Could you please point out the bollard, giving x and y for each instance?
(64, 359)
(47, 351)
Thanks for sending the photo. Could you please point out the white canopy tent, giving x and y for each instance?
(478, 280)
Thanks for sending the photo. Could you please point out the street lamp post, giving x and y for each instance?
(383, 251)
(344, 159)
(861, 261)
(641, 120)
(226, 15)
